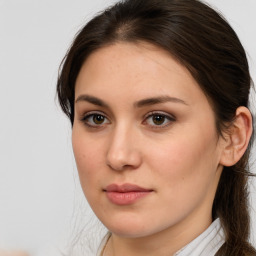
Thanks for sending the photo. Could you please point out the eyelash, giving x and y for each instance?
(167, 118)
(89, 115)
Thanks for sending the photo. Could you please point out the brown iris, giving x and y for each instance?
(158, 119)
(98, 119)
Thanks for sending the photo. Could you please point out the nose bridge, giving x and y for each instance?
(123, 149)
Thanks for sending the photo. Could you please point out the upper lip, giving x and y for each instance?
(126, 188)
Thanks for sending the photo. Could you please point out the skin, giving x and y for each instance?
(12, 253)
(180, 160)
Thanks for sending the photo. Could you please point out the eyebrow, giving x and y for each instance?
(158, 100)
(91, 99)
(138, 104)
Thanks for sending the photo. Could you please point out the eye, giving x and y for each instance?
(159, 120)
(95, 120)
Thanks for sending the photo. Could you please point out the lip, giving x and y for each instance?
(126, 188)
(125, 194)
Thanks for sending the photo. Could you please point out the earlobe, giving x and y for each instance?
(237, 138)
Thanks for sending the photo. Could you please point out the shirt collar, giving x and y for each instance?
(208, 243)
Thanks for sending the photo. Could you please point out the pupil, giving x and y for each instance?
(98, 119)
(158, 119)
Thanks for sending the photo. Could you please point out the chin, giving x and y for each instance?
(127, 228)
(130, 233)
(132, 228)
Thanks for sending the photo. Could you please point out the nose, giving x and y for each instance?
(123, 152)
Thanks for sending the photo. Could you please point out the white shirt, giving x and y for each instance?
(206, 244)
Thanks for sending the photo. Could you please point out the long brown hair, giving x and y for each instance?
(201, 40)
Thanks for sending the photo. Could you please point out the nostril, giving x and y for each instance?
(128, 161)
(121, 167)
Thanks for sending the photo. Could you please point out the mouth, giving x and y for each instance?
(125, 194)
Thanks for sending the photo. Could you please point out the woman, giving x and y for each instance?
(157, 95)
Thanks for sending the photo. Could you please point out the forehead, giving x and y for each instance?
(135, 71)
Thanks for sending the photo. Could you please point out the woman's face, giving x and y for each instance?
(145, 141)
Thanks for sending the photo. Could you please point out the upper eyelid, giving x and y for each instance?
(170, 119)
(86, 116)
(154, 112)
(147, 115)
(94, 112)
(151, 113)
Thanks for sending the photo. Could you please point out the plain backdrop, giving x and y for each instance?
(38, 181)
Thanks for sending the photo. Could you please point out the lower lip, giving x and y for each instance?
(126, 198)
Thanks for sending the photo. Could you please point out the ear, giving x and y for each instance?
(237, 138)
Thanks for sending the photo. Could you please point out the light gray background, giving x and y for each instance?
(38, 182)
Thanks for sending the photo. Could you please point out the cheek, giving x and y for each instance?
(88, 158)
(184, 173)
(186, 161)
